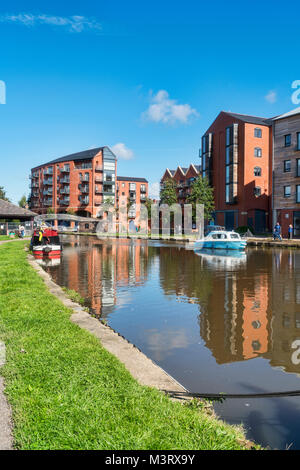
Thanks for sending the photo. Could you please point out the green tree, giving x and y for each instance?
(202, 193)
(3, 194)
(168, 193)
(23, 202)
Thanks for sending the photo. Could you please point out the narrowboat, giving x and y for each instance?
(48, 246)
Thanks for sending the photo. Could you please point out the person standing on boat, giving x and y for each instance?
(41, 235)
(277, 232)
(291, 229)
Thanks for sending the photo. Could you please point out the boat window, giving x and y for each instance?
(234, 235)
(219, 236)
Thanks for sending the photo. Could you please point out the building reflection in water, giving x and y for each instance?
(249, 305)
(95, 268)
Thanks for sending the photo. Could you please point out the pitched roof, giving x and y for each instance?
(251, 119)
(84, 155)
(131, 178)
(9, 210)
(293, 112)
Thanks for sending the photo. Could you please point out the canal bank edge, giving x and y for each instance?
(142, 368)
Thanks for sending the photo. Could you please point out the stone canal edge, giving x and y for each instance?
(142, 368)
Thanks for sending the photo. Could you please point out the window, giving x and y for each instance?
(287, 140)
(257, 191)
(257, 132)
(257, 152)
(298, 140)
(287, 166)
(287, 191)
(257, 171)
(298, 193)
(231, 164)
(298, 167)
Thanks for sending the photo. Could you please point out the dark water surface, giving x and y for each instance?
(215, 323)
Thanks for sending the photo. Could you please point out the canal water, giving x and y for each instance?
(217, 324)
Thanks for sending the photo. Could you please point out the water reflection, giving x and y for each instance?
(217, 323)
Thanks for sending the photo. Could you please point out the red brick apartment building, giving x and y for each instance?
(80, 183)
(183, 178)
(236, 157)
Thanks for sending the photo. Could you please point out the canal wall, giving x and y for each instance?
(269, 242)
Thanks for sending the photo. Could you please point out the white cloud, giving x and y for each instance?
(154, 190)
(123, 152)
(163, 109)
(75, 24)
(271, 97)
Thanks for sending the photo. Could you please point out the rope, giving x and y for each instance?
(223, 396)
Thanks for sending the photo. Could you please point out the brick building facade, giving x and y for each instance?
(79, 183)
(236, 157)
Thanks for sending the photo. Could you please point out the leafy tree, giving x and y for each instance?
(202, 193)
(23, 202)
(3, 194)
(168, 193)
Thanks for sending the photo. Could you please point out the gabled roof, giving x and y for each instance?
(196, 168)
(182, 170)
(9, 210)
(171, 173)
(251, 119)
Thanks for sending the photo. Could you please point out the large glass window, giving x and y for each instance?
(298, 193)
(257, 152)
(231, 164)
(287, 191)
(298, 167)
(257, 132)
(257, 171)
(257, 191)
(288, 140)
(287, 166)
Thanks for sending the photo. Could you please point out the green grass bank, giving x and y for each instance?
(67, 392)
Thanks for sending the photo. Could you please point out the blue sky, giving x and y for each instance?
(144, 77)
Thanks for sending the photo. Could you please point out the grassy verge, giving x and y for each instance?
(4, 237)
(68, 392)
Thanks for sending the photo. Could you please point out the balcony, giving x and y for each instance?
(98, 179)
(65, 201)
(98, 168)
(64, 180)
(84, 188)
(65, 169)
(143, 189)
(48, 171)
(143, 197)
(65, 190)
(48, 203)
(84, 201)
(48, 182)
